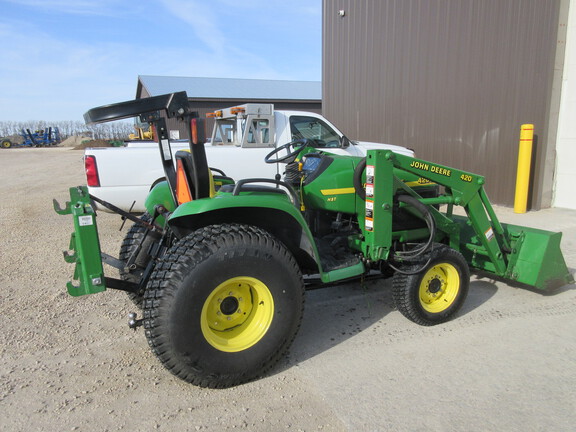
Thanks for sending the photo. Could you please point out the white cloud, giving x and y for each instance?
(226, 45)
(203, 20)
(53, 74)
(51, 79)
(47, 78)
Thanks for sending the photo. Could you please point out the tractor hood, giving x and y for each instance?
(364, 146)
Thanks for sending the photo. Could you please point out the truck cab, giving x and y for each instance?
(260, 126)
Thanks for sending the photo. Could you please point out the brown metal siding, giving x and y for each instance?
(452, 79)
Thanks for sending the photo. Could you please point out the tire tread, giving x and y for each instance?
(172, 269)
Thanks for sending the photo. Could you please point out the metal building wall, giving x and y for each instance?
(452, 79)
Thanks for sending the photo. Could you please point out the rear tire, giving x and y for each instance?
(223, 305)
(6, 143)
(131, 241)
(433, 295)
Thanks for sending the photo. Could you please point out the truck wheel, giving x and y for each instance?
(434, 294)
(223, 305)
(131, 241)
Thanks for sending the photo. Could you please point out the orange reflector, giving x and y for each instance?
(194, 130)
(197, 130)
(214, 114)
(183, 193)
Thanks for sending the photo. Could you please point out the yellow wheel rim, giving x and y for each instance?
(439, 287)
(237, 314)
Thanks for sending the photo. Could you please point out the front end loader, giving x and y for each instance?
(219, 267)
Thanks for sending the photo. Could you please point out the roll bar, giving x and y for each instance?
(174, 104)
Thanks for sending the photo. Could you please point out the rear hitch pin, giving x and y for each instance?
(133, 321)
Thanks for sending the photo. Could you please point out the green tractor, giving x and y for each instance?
(219, 268)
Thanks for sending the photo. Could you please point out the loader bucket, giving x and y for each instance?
(536, 258)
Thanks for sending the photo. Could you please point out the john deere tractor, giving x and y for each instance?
(219, 267)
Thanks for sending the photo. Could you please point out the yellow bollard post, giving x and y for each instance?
(523, 171)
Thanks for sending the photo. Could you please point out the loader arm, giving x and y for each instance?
(520, 254)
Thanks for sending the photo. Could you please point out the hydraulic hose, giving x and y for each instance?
(417, 252)
(357, 179)
(407, 199)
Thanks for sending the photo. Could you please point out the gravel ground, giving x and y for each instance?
(506, 362)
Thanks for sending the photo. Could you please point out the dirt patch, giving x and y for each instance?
(82, 142)
(15, 139)
(74, 141)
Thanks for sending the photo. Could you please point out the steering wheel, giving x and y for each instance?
(297, 147)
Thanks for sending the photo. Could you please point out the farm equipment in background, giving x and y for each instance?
(144, 132)
(40, 138)
(220, 273)
(6, 143)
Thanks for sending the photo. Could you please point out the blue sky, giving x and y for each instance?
(62, 57)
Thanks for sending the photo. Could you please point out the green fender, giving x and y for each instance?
(271, 211)
(160, 194)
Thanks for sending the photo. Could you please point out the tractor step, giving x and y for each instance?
(335, 253)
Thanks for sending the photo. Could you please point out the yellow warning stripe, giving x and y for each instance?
(350, 190)
(341, 191)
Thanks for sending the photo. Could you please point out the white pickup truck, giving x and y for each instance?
(242, 136)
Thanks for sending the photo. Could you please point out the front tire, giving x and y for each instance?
(224, 305)
(437, 292)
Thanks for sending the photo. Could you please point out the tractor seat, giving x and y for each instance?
(221, 181)
(215, 181)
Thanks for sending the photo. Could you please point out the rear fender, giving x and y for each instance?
(160, 195)
(272, 212)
